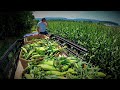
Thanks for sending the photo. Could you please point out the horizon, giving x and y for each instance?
(113, 16)
(81, 18)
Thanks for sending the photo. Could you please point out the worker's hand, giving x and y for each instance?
(45, 23)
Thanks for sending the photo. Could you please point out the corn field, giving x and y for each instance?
(103, 43)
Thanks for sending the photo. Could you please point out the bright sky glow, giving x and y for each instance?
(99, 15)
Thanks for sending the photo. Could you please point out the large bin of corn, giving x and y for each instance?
(43, 58)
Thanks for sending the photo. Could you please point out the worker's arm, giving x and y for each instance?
(38, 30)
(46, 23)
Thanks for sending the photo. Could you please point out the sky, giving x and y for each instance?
(98, 15)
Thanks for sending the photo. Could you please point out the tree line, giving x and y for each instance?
(15, 23)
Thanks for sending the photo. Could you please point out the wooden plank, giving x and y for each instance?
(19, 70)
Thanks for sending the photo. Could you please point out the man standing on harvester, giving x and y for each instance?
(41, 27)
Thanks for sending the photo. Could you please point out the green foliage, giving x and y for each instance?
(46, 58)
(15, 23)
(103, 42)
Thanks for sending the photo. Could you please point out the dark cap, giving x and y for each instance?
(43, 19)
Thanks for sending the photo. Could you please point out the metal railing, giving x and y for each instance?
(72, 47)
(9, 61)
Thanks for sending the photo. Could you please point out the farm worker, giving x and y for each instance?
(41, 26)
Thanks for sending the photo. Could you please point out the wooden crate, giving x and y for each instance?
(40, 36)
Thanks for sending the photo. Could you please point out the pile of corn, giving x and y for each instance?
(47, 62)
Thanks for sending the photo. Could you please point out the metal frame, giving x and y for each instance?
(71, 46)
(8, 65)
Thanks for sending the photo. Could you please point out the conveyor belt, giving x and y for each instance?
(71, 46)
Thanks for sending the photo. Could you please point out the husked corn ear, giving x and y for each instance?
(24, 49)
(101, 74)
(55, 73)
(70, 70)
(48, 63)
(28, 76)
(47, 67)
